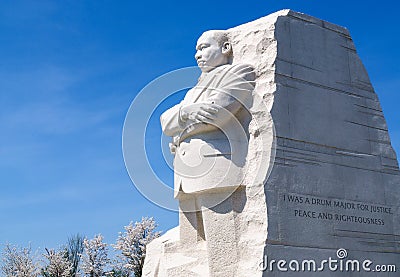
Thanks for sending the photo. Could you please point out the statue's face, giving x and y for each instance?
(209, 54)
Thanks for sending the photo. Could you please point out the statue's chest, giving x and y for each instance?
(201, 92)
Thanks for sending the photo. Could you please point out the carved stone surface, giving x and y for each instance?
(325, 178)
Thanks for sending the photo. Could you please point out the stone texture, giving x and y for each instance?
(328, 159)
(332, 144)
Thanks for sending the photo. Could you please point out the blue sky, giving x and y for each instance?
(69, 71)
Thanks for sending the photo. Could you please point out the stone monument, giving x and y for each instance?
(283, 161)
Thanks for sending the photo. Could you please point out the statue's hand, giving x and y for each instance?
(199, 112)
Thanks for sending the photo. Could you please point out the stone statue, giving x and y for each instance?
(299, 166)
(210, 142)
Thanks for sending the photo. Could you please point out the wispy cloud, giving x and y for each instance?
(57, 195)
(53, 117)
(47, 100)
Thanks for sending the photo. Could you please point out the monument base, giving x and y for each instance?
(166, 256)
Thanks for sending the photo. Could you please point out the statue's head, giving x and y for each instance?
(213, 49)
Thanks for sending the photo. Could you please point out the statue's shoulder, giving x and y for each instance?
(242, 66)
(237, 67)
(241, 70)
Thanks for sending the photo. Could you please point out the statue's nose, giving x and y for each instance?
(197, 55)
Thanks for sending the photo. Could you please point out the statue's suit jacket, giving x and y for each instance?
(209, 156)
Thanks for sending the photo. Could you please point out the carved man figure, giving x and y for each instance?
(210, 142)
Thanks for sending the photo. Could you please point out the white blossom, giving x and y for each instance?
(132, 244)
(94, 258)
(58, 264)
(18, 262)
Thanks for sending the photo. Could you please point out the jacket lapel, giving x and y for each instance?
(205, 83)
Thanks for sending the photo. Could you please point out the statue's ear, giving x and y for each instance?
(227, 48)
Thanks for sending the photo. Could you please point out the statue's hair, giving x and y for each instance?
(221, 36)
